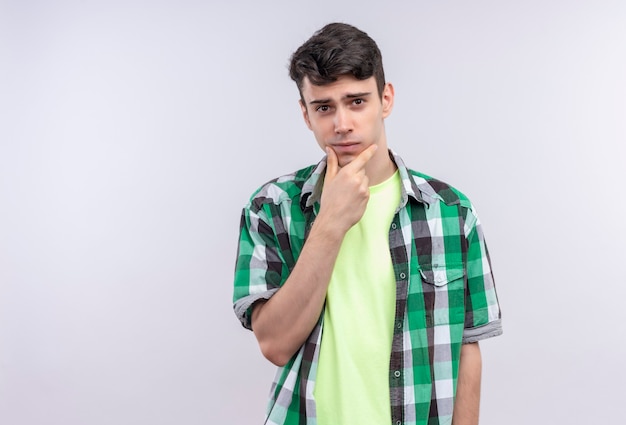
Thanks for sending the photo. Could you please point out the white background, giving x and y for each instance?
(132, 133)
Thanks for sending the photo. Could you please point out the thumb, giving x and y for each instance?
(332, 164)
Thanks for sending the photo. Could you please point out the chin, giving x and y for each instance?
(345, 160)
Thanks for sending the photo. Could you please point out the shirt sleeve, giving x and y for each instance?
(482, 316)
(259, 266)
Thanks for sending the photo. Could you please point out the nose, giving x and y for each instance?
(342, 121)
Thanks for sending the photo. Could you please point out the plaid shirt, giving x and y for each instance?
(445, 294)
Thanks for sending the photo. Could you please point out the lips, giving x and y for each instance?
(346, 147)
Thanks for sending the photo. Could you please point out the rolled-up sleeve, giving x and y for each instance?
(258, 269)
(483, 315)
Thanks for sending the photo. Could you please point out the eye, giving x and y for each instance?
(323, 108)
(358, 101)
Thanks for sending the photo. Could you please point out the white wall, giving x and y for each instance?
(131, 134)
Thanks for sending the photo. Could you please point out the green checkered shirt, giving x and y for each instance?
(445, 293)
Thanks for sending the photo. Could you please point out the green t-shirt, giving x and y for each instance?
(352, 384)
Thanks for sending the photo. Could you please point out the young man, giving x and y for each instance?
(367, 283)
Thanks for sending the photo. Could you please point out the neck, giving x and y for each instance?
(380, 167)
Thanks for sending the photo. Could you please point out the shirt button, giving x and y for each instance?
(402, 275)
(399, 324)
(397, 374)
(393, 226)
(398, 422)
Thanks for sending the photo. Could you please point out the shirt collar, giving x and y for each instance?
(312, 188)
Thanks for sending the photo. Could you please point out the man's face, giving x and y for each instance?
(347, 115)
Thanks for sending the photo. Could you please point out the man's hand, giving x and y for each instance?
(346, 190)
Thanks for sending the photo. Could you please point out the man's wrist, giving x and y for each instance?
(329, 229)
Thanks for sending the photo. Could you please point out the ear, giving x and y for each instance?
(387, 99)
(305, 114)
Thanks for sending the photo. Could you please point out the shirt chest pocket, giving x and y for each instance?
(443, 288)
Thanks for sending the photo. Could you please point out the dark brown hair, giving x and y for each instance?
(335, 50)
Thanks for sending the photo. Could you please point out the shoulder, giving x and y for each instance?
(448, 200)
(439, 190)
(286, 188)
(427, 188)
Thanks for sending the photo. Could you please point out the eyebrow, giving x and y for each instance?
(347, 96)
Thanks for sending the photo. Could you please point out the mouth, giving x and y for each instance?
(346, 147)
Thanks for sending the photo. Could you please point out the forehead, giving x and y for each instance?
(342, 87)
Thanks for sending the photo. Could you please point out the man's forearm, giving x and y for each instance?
(466, 406)
(282, 324)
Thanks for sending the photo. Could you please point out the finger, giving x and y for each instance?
(360, 161)
(332, 164)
